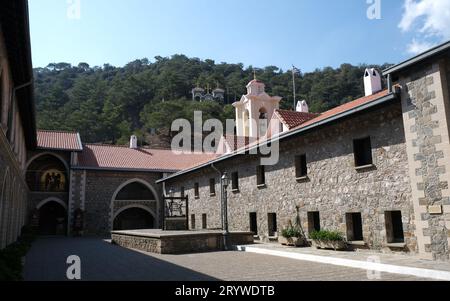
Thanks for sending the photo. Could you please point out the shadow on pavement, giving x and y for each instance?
(100, 261)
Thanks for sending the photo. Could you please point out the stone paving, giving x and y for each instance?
(407, 260)
(105, 262)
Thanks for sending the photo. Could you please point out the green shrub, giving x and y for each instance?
(11, 256)
(291, 232)
(325, 235)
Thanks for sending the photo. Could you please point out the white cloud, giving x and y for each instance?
(429, 20)
(416, 47)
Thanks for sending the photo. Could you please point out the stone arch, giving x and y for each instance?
(53, 220)
(3, 208)
(135, 206)
(113, 215)
(47, 172)
(47, 154)
(52, 199)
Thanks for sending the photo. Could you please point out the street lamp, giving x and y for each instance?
(171, 192)
(225, 183)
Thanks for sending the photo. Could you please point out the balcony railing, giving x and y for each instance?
(48, 188)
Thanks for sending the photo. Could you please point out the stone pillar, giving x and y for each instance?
(425, 105)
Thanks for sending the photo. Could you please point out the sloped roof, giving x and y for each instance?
(59, 140)
(292, 118)
(96, 156)
(328, 116)
(343, 108)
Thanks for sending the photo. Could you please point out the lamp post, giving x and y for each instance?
(225, 183)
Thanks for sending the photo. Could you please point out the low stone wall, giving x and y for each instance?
(178, 243)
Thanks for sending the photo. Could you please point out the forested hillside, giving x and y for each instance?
(107, 104)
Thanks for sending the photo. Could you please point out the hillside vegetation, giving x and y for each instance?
(107, 104)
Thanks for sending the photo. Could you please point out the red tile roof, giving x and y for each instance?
(236, 142)
(120, 157)
(343, 108)
(59, 140)
(292, 118)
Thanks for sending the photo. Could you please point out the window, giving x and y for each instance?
(182, 193)
(260, 175)
(272, 224)
(235, 181)
(354, 227)
(394, 227)
(301, 168)
(313, 221)
(204, 221)
(363, 152)
(196, 191)
(212, 186)
(193, 221)
(253, 223)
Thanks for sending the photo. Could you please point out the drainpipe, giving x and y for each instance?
(389, 83)
(225, 242)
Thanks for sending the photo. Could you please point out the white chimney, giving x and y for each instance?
(372, 81)
(133, 142)
(302, 107)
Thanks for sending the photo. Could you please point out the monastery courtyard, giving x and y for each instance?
(101, 261)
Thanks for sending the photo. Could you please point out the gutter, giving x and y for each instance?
(419, 58)
(385, 99)
(123, 169)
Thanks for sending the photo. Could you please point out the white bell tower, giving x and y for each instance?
(254, 110)
(372, 81)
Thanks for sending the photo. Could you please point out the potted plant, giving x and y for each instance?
(292, 236)
(325, 239)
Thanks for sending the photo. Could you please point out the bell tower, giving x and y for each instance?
(254, 110)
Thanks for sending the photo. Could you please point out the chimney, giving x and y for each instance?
(133, 142)
(372, 81)
(302, 107)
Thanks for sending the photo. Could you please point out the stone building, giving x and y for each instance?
(376, 169)
(17, 127)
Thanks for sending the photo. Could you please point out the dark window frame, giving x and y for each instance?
(313, 221)
(235, 181)
(212, 186)
(394, 227)
(301, 166)
(362, 150)
(204, 221)
(196, 190)
(354, 223)
(260, 175)
(272, 224)
(253, 218)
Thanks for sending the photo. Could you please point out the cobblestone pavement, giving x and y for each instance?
(102, 261)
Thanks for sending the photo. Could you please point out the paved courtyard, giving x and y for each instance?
(105, 262)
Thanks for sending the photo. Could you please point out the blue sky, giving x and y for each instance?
(307, 33)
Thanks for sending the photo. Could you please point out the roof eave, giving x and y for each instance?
(417, 59)
(382, 100)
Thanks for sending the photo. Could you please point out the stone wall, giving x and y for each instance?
(334, 187)
(99, 189)
(13, 195)
(425, 101)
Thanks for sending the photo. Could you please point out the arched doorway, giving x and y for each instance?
(133, 206)
(134, 218)
(52, 218)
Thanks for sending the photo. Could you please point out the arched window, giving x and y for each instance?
(246, 120)
(47, 173)
(262, 122)
(136, 192)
